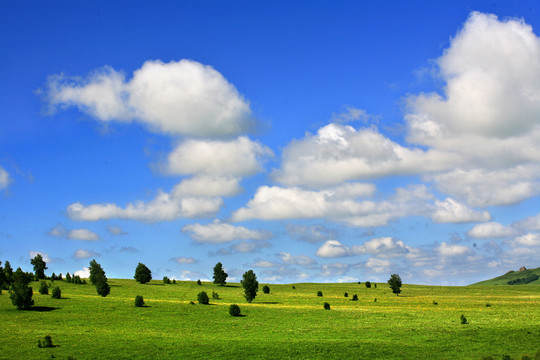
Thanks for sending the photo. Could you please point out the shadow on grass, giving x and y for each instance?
(231, 286)
(156, 284)
(269, 302)
(241, 315)
(42, 308)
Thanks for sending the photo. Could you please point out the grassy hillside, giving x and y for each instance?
(513, 276)
(287, 323)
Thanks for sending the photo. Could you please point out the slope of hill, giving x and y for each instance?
(525, 277)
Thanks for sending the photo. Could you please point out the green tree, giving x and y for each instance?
(220, 276)
(3, 279)
(39, 266)
(266, 289)
(20, 292)
(44, 288)
(234, 310)
(395, 283)
(368, 284)
(202, 298)
(102, 287)
(139, 301)
(56, 293)
(166, 280)
(8, 271)
(142, 274)
(68, 277)
(96, 272)
(250, 284)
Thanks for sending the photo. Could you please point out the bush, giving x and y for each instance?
(266, 289)
(234, 310)
(375, 300)
(368, 284)
(463, 319)
(215, 295)
(46, 343)
(202, 298)
(294, 287)
(174, 281)
(199, 282)
(354, 297)
(346, 295)
(139, 301)
(488, 305)
(166, 280)
(44, 288)
(103, 288)
(319, 293)
(191, 303)
(326, 306)
(435, 303)
(21, 294)
(56, 293)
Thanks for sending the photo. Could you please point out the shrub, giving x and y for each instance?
(435, 303)
(174, 281)
(202, 298)
(103, 288)
(354, 297)
(44, 288)
(266, 289)
(21, 293)
(346, 295)
(294, 287)
(375, 286)
(215, 295)
(234, 310)
(166, 280)
(326, 306)
(199, 282)
(56, 293)
(46, 343)
(319, 293)
(375, 300)
(463, 319)
(139, 301)
(488, 305)
(368, 284)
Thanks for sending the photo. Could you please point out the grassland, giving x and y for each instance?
(512, 275)
(287, 323)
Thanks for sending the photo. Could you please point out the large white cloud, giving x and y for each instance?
(207, 186)
(491, 230)
(452, 211)
(218, 232)
(385, 247)
(5, 179)
(180, 97)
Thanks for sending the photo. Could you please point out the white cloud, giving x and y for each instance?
(83, 274)
(181, 98)
(5, 179)
(490, 230)
(237, 157)
(46, 257)
(249, 246)
(59, 231)
(84, 254)
(530, 223)
(163, 207)
(83, 234)
(302, 260)
(529, 239)
(383, 247)
(218, 233)
(188, 275)
(334, 269)
(332, 249)
(310, 234)
(207, 186)
(264, 264)
(378, 265)
(185, 260)
(449, 250)
(452, 211)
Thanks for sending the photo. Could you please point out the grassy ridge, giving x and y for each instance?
(511, 275)
(287, 323)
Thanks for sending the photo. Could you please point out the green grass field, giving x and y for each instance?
(287, 323)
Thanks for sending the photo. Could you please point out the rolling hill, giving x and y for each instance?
(525, 277)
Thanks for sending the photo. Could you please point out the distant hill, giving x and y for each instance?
(525, 277)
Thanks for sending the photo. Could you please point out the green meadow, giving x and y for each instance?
(422, 323)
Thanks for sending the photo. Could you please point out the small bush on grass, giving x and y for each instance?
(202, 298)
(346, 295)
(294, 287)
(56, 293)
(44, 288)
(463, 320)
(166, 280)
(174, 281)
(139, 301)
(215, 295)
(375, 300)
(199, 282)
(354, 297)
(319, 293)
(234, 310)
(435, 303)
(266, 289)
(46, 343)
(488, 305)
(326, 306)
(368, 284)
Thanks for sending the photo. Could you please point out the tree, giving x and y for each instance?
(8, 271)
(234, 310)
(142, 274)
(166, 280)
(3, 279)
(20, 292)
(102, 287)
(39, 266)
(219, 274)
(96, 272)
(202, 298)
(266, 289)
(395, 283)
(139, 301)
(250, 284)
(56, 293)
(368, 284)
(44, 288)
(68, 277)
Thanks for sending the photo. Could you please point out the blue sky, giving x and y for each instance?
(326, 141)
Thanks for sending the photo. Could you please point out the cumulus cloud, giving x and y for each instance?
(245, 246)
(207, 186)
(332, 249)
(218, 232)
(237, 157)
(385, 247)
(490, 230)
(531, 223)
(449, 250)
(452, 211)
(180, 97)
(185, 260)
(290, 259)
(83, 234)
(163, 207)
(378, 265)
(5, 179)
(84, 254)
(530, 239)
(83, 274)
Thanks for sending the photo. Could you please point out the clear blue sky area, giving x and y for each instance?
(308, 141)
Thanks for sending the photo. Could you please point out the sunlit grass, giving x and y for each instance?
(287, 323)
